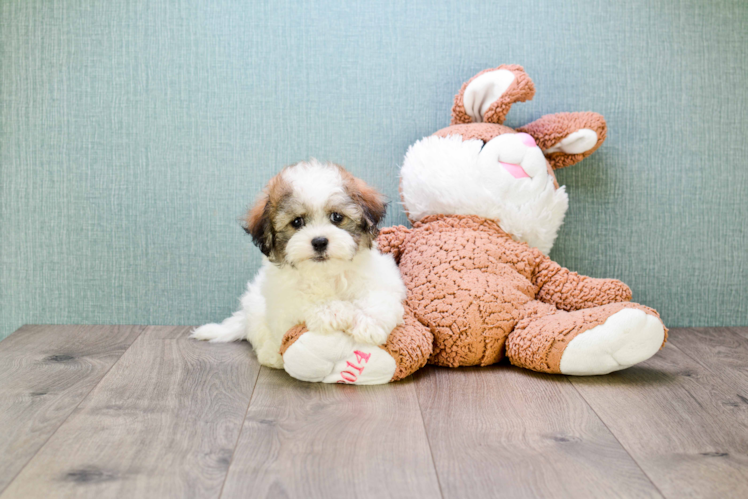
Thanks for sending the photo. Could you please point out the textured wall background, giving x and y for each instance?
(133, 134)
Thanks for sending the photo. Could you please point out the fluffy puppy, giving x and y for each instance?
(316, 225)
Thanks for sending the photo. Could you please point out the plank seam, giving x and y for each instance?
(651, 481)
(142, 329)
(241, 430)
(428, 440)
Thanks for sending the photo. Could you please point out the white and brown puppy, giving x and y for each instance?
(316, 224)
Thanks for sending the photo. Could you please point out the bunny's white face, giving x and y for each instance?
(513, 167)
(505, 180)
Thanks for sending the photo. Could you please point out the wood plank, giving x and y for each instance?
(684, 427)
(740, 330)
(162, 423)
(721, 350)
(45, 372)
(509, 433)
(319, 440)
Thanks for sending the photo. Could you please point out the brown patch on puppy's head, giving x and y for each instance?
(258, 222)
(371, 201)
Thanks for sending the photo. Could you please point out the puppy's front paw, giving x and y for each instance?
(368, 331)
(331, 317)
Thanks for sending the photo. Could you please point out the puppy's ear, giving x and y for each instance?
(372, 204)
(257, 224)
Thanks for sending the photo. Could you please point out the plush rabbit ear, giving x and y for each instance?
(488, 96)
(567, 138)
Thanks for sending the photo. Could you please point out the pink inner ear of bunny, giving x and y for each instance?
(549, 130)
(520, 90)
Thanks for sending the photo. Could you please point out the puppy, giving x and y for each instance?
(316, 225)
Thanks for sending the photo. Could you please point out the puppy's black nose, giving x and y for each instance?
(319, 244)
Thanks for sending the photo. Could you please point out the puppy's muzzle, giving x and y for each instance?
(320, 244)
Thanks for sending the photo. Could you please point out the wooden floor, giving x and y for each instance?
(132, 411)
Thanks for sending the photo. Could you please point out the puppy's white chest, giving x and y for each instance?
(321, 288)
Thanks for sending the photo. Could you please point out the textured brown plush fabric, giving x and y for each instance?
(410, 344)
(551, 129)
(471, 284)
(467, 281)
(521, 89)
(570, 291)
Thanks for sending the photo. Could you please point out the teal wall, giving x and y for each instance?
(133, 134)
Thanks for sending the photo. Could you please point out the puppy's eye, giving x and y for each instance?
(336, 218)
(297, 222)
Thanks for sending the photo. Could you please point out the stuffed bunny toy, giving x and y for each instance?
(485, 209)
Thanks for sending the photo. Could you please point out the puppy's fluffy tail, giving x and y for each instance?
(231, 329)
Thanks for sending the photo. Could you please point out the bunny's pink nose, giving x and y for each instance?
(527, 140)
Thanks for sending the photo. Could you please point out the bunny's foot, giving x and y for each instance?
(338, 357)
(593, 341)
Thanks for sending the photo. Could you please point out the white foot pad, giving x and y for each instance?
(626, 338)
(337, 358)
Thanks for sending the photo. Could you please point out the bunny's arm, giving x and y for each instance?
(570, 291)
(392, 239)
